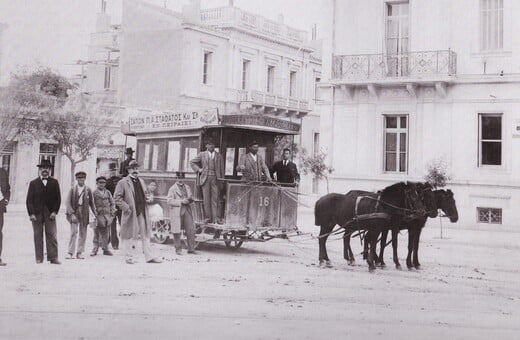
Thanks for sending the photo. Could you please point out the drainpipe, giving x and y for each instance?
(333, 105)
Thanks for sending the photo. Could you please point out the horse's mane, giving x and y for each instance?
(394, 188)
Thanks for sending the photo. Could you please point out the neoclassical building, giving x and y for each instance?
(198, 59)
(409, 82)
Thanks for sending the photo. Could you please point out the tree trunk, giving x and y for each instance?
(72, 170)
(327, 180)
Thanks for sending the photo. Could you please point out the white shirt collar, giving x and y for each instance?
(254, 156)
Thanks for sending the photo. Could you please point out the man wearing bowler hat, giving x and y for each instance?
(130, 197)
(5, 195)
(210, 167)
(123, 169)
(43, 203)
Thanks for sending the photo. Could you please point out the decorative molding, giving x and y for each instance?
(373, 90)
(440, 87)
(412, 90)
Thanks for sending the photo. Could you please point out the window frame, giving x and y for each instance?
(480, 140)
(50, 152)
(488, 210)
(293, 83)
(207, 67)
(270, 81)
(491, 16)
(245, 74)
(162, 145)
(398, 131)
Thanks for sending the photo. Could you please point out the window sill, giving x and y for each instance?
(493, 53)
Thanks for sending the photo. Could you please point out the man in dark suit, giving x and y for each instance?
(123, 169)
(210, 167)
(285, 170)
(111, 186)
(43, 203)
(5, 195)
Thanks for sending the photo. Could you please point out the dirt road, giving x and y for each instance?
(468, 289)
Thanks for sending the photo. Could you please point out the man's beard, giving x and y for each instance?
(45, 173)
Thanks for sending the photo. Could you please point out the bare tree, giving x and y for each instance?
(315, 165)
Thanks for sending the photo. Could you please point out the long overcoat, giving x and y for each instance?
(177, 209)
(124, 196)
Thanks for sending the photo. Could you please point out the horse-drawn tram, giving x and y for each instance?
(248, 210)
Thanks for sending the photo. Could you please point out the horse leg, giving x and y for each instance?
(372, 238)
(411, 236)
(395, 239)
(347, 251)
(417, 237)
(381, 258)
(365, 246)
(324, 234)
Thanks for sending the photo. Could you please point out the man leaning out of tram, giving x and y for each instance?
(181, 216)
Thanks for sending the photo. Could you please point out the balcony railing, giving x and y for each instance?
(235, 17)
(259, 98)
(406, 65)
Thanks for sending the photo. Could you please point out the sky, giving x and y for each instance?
(55, 33)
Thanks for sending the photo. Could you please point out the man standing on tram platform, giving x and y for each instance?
(286, 171)
(210, 167)
(252, 165)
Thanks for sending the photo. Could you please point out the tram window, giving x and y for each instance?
(146, 158)
(230, 161)
(189, 154)
(174, 155)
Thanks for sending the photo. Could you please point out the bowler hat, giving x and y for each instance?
(133, 164)
(253, 143)
(129, 151)
(45, 163)
(80, 174)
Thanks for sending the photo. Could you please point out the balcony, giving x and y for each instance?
(232, 17)
(270, 103)
(424, 65)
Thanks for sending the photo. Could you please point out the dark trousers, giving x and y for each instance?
(210, 196)
(112, 236)
(1, 235)
(189, 229)
(44, 224)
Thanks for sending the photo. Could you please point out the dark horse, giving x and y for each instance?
(413, 226)
(433, 200)
(398, 201)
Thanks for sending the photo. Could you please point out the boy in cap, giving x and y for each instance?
(78, 202)
(105, 210)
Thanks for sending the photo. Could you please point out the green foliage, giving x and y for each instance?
(437, 173)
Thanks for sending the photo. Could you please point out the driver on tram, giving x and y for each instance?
(252, 165)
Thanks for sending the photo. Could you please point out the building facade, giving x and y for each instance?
(411, 82)
(223, 58)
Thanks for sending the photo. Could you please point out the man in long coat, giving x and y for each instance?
(210, 167)
(43, 203)
(252, 165)
(5, 195)
(111, 186)
(181, 216)
(130, 197)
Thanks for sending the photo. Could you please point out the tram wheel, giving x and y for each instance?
(160, 231)
(232, 241)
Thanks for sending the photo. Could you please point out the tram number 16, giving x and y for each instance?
(264, 201)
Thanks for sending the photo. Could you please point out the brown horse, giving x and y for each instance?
(395, 202)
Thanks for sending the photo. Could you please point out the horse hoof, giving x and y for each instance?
(417, 266)
(410, 267)
(328, 264)
(383, 265)
(371, 269)
(398, 267)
